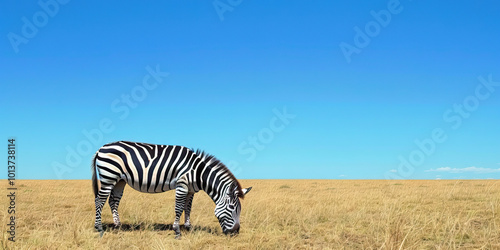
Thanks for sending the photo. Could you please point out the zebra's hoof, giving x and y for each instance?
(98, 228)
(177, 236)
(176, 229)
(187, 227)
(101, 233)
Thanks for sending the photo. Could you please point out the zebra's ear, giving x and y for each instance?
(246, 190)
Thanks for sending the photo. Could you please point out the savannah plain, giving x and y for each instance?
(276, 214)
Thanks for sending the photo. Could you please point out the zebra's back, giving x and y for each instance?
(149, 168)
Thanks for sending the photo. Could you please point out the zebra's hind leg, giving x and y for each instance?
(101, 198)
(187, 210)
(181, 192)
(114, 201)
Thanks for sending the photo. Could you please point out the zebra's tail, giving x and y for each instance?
(94, 176)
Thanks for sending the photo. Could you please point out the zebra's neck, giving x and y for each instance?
(215, 181)
(212, 176)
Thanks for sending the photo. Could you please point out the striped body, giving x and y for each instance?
(147, 168)
(152, 168)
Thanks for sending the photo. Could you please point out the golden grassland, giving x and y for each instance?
(276, 214)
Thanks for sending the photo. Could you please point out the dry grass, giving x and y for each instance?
(277, 214)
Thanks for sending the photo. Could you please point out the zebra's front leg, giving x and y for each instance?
(181, 193)
(187, 210)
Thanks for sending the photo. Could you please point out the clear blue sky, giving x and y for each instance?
(234, 70)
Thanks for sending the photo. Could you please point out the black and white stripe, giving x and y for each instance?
(152, 168)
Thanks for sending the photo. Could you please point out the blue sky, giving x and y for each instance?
(268, 87)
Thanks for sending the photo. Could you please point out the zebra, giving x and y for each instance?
(152, 168)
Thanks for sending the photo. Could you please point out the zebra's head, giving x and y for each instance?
(228, 209)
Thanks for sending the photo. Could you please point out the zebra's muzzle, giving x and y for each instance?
(233, 231)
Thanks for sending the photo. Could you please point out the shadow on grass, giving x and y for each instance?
(154, 227)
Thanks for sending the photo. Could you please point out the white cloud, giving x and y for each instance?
(393, 171)
(466, 170)
(342, 175)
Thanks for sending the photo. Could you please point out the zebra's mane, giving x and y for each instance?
(208, 158)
